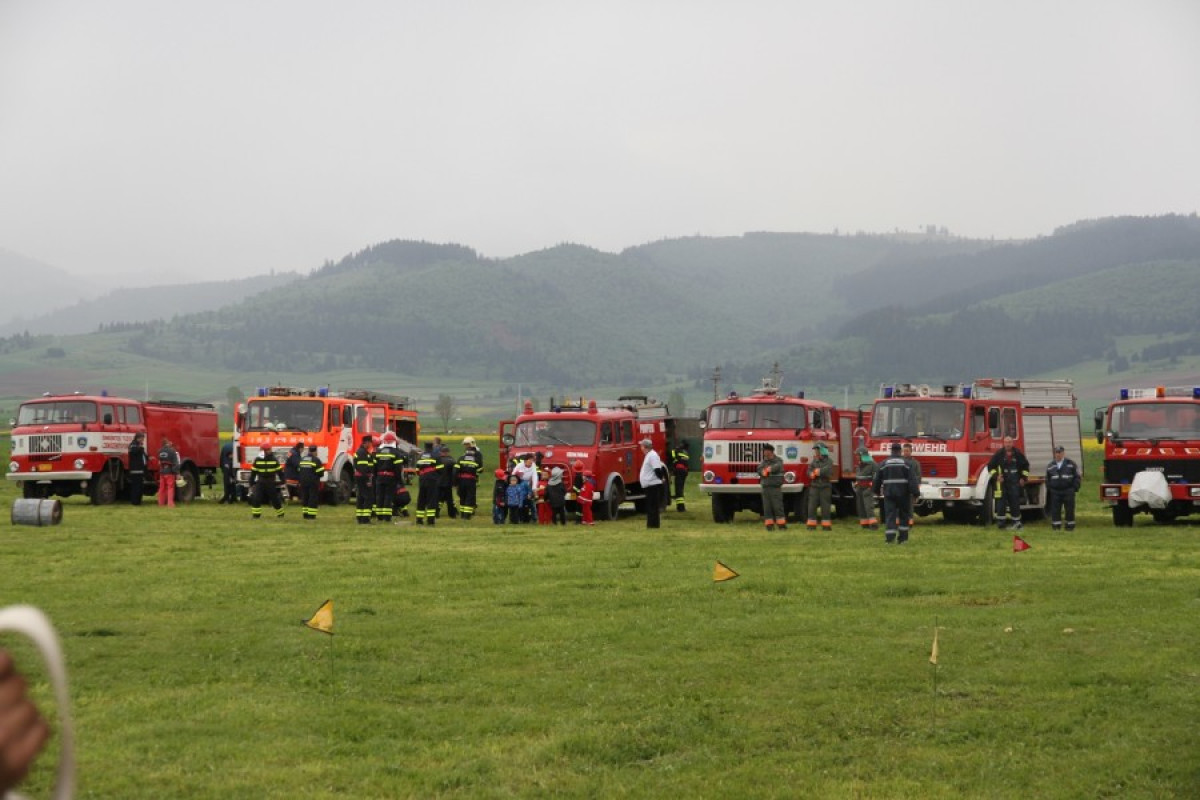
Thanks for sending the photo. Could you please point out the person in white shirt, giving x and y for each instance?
(527, 471)
(651, 477)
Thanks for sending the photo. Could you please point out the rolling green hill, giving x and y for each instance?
(837, 311)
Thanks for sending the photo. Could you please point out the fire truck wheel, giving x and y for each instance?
(722, 508)
(1122, 516)
(1163, 516)
(191, 486)
(31, 491)
(987, 509)
(340, 495)
(103, 489)
(610, 507)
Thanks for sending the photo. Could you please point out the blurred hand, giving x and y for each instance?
(23, 732)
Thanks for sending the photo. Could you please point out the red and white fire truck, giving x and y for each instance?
(1151, 443)
(955, 429)
(335, 421)
(74, 443)
(603, 436)
(737, 427)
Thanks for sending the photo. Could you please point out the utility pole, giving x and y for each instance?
(716, 379)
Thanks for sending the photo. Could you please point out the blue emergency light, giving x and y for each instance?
(322, 391)
(966, 393)
(1124, 394)
(888, 391)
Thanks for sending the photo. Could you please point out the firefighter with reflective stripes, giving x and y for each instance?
(429, 475)
(895, 481)
(467, 469)
(680, 465)
(864, 490)
(264, 483)
(309, 471)
(364, 476)
(1062, 480)
(1010, 468)
(388, 463)
(770, 481)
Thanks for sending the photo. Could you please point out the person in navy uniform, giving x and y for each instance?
(898, 485)
(1062, 480)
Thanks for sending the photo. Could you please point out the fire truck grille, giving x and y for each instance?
(45, 444)
(1180, 471)
(941, 467)
(745, 454)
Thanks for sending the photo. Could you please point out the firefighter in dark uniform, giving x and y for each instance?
(264, 483)
(291, 470)
(895, 481)
(680, 465)
(1010, 469)
(446, 483)
(467, 472)
(308, 474)
(364, 476)
(429, 474)
(1062, 480)
(388, 463)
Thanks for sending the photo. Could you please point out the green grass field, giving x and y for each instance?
(473, 660)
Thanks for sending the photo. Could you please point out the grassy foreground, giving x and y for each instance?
(480, 661)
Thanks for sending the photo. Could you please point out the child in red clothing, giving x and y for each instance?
(585, 497)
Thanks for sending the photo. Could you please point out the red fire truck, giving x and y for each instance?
(955, 429)
(604, 436)
(1151, 443)
(74, 443)
(737, 427)
(335, 421)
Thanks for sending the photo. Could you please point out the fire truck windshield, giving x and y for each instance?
(556, 431)
(55, 413)
(295, 415)
(1156, 421)
(757, 415)
(934, 419)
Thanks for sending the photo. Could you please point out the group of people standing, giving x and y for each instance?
(440, 476)
(526, 492)
(168, 470)
(895, 483)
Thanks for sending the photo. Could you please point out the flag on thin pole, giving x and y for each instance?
(322, 620)
(1020, 544)
(933, 654)
(723, 573)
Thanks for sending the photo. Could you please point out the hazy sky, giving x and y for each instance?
(221, 138)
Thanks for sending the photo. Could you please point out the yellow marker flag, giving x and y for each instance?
(723, 573)
(933, 654)
(322, 620)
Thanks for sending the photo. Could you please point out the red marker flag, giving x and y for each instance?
(1020, 544)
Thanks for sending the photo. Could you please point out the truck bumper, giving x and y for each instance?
(746, 488)
(47, 477)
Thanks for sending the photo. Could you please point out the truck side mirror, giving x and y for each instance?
(1098, 418)
(508, 439)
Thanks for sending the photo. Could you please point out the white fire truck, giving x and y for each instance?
(955, 429)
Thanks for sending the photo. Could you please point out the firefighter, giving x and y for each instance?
(308, 475)
(1062, 479)
(291, 470)
(388, 463)
(680, 465)
(770, 472)
(915, 466)
(446, 481)
(137, 469)
(264, 483)
(895, 481)
(820, 488)
(1010, 469)
(429, 473)
(467, 476)
(364, 475)
(864, 490)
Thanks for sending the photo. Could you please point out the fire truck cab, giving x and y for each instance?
(737, 427)
(955, 429)
(1151, 439)
(603, 436)
(79, 444)
(334, 421)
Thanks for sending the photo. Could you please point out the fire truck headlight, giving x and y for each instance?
(949, 494)
(1112, 491)
(79, 463)
(12, 466)
(709, 475)
(1194, 491)
(789, 477)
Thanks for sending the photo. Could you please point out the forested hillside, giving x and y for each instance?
(833, 309)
